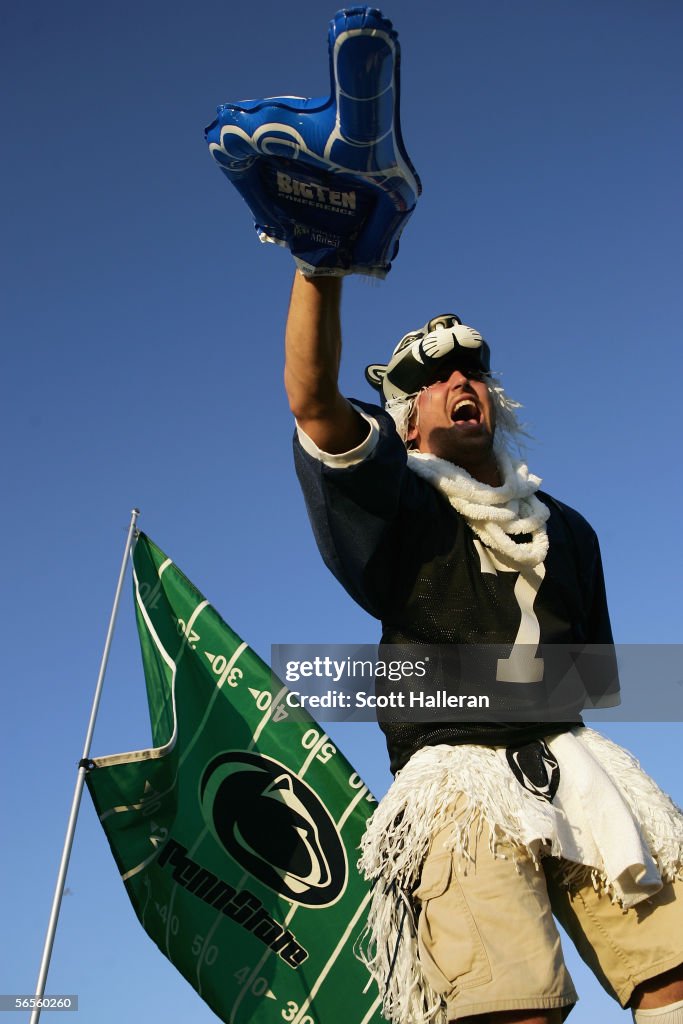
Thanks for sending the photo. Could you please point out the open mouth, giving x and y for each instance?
(466, 413)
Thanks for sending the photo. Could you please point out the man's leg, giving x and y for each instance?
(637, 955)
(660, 999)
(487, 940)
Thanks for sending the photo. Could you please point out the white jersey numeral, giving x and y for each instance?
(523, 665)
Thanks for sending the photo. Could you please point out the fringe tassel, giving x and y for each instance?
(420, 803)
(388, 948)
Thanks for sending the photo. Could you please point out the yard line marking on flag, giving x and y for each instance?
(146, 903)
(342, 942)
(207, 942)
(373, 1009)
(169, 918)
(315, 750)
(193, 849)
(276, 702)
(254, 974)
(209, 707)
(219, 919)
(153, 633)
(121, 808)
(218, 686)
(166, 657)
(249, 982)
(200, 608)
(352, 806)
(173, 666)
(164, 566)
(332, 960)
(186, 629)
(140, 867)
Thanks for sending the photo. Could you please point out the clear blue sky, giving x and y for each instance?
(142, 331)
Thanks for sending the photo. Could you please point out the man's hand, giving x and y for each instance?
(312, 357)
(329, 178)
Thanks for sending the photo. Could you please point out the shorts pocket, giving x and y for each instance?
(452, 953)
(436, 874)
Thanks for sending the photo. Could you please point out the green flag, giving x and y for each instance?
(236, 833)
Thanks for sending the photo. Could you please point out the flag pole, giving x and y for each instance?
(80, 779)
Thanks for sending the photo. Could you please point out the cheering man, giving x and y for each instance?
(423, 513)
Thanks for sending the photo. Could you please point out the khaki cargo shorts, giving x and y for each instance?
(487, 939)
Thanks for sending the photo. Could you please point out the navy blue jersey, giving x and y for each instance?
(409, 558)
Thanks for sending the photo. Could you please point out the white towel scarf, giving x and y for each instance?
(496, 514)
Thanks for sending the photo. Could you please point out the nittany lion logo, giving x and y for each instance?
(275, 827)
(535, 767)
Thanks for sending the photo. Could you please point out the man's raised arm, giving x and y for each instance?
(312, 357)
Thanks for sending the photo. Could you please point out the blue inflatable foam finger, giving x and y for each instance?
(328, 178)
